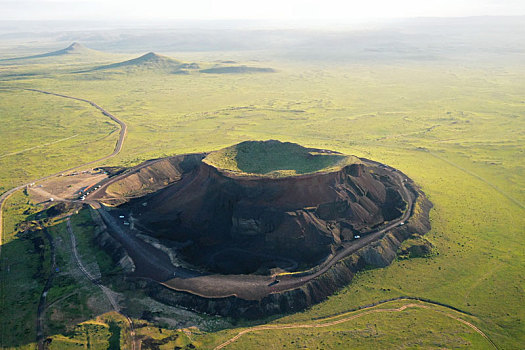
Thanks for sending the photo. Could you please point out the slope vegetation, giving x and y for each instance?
(73, 49)
(149, 61)
(275, 158)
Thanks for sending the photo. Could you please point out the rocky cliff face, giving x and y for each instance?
(379, 254)
(116, 250)
(303, 218)
(149, 177)
(235, 230)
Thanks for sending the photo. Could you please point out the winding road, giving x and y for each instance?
(154, 264)
(117, 149)
(7, 194)
(107, 292)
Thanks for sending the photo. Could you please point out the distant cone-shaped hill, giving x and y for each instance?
(73, 49)
(150, 60)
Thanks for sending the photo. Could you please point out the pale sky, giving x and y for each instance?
(342, 10)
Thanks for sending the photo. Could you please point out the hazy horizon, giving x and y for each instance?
(290, 10)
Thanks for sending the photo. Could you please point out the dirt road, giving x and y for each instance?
(496, 188)
(39, 146)
(123, 126)
(371, 310)
(7, 194)
(154, 264)
(110, 295)
(117, 149)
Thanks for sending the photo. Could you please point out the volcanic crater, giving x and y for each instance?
(277, 213)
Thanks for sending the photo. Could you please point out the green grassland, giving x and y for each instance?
(415, 328)
(24, 270)
(107, 331)
(274, 158)
(455, 128)
(42, 135)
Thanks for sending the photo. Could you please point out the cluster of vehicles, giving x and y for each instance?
(124, 222)
(79, 172)
(86, 191)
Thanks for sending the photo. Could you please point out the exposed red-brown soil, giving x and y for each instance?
(241, 231)
(244, 224)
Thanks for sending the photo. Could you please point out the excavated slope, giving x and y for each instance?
(378, 254)
(231, 223)
(235, 230)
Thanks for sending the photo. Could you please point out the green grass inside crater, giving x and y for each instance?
(275, 158)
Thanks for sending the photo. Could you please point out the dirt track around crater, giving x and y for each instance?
(155, 265)
(367, 311)
(151, 264)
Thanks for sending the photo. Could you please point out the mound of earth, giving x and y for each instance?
(73, 49)
(150, 60)
(415, 247)
(237, 70)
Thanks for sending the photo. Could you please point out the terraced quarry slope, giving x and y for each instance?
(236, 230)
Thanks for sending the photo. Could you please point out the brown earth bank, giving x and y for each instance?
(253, 245)
(378, 254)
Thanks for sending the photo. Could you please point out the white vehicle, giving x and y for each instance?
(357, 237)
(121, 216)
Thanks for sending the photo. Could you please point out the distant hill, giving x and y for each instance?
(150, 60)
(73, 49)
(237, 70)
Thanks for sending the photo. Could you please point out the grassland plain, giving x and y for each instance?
(24, 266)
(386, 324)
(43, 134)
(456, 129)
